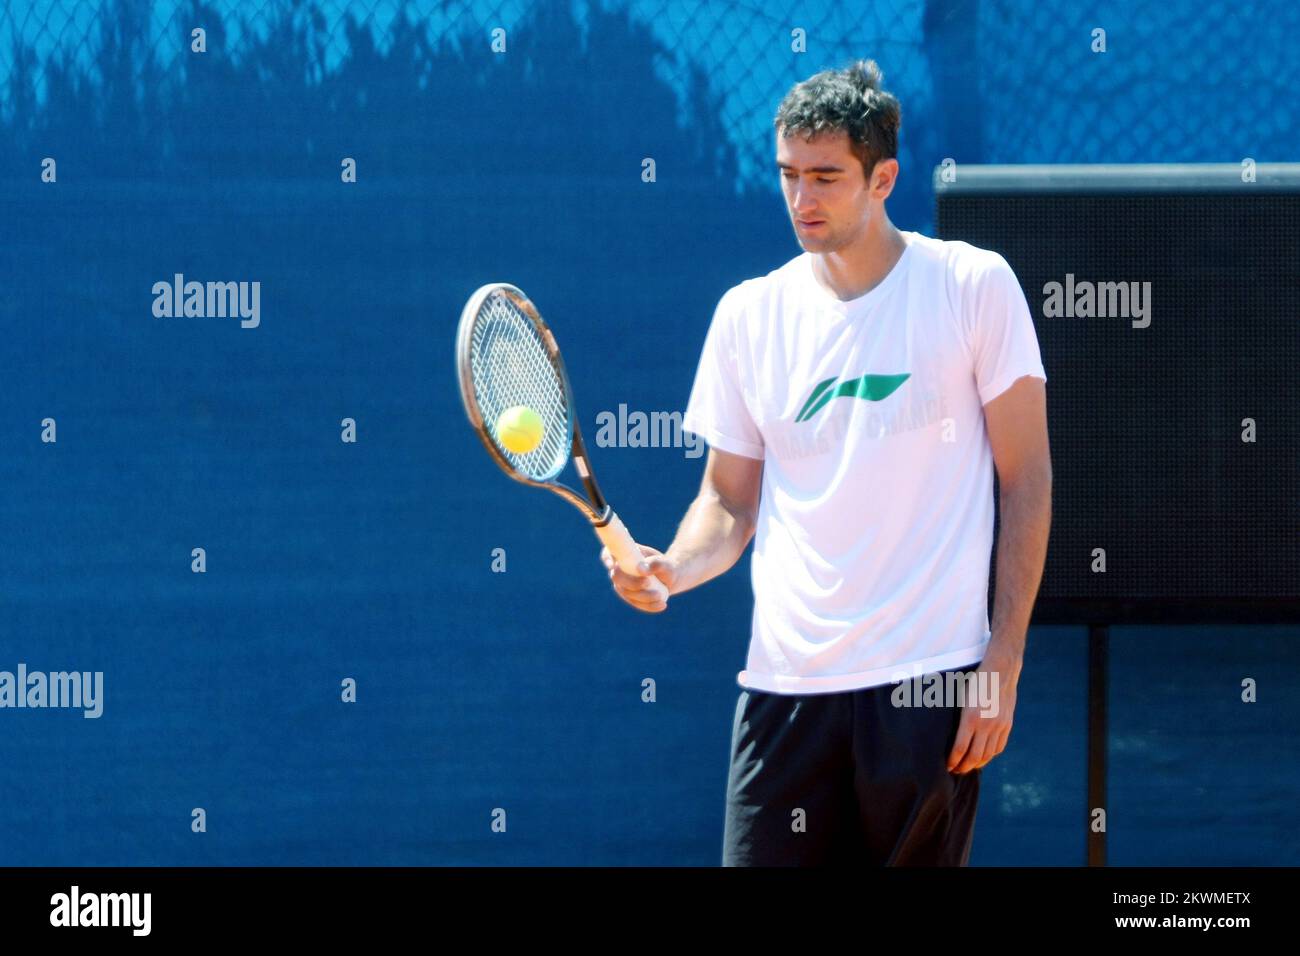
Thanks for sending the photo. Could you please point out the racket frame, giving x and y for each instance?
(594, 507)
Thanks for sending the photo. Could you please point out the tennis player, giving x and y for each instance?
(856, 401)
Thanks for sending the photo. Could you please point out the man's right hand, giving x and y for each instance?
(632, 588)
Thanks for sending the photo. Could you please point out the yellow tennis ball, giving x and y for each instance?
(519, 429)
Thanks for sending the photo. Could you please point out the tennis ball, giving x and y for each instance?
(519, 429)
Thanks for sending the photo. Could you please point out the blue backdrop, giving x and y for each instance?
(372, 560)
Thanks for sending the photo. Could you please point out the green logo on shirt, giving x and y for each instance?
(871, 387)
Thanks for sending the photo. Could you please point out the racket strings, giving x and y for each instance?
(511, 366)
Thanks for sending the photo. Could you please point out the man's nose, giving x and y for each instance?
(803, 209)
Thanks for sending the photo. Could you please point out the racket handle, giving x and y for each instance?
(615, 536)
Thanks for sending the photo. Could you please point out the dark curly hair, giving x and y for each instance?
(849, 99)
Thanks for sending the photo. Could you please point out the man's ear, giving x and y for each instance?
(883, 177)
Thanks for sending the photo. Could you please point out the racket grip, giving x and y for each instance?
(615, 536)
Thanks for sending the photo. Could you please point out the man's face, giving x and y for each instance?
(826, 193)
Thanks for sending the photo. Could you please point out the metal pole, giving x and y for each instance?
(1098, 640)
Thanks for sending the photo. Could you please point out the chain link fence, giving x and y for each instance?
(744, 49)
(979, 80)
(1178, 82)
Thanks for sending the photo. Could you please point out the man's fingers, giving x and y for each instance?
(971, 760)
(977, 754)
(1003, 737)
(637, 591)
(643, 600)
(645, 603)
(630, 582)
(642, 591)
(965, 731)
(657, 563)
(994, 745)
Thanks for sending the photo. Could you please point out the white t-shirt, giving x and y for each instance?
(875, 526)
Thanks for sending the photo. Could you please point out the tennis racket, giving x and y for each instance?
(506, 356)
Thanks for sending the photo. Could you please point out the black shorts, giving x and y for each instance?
(870, 778)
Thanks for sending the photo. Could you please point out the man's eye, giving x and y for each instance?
(823, 179)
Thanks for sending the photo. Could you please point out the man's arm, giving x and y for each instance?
(719, 522)
(711, 538)
(1016, 423)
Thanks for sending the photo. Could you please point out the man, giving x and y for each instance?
(856, 401)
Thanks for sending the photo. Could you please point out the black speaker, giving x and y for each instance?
(1167, 305)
